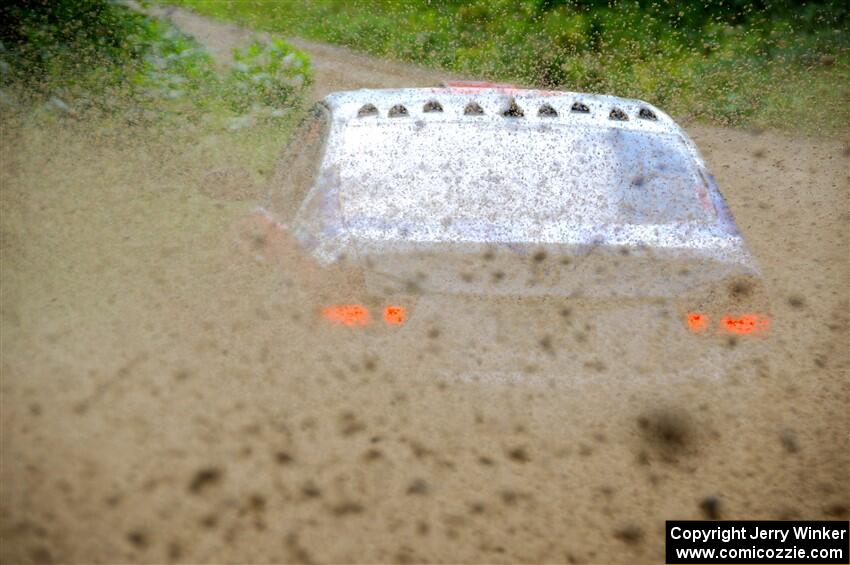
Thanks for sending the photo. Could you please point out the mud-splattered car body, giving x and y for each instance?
(516, 208)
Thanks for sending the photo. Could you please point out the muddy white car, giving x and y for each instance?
(530, 227)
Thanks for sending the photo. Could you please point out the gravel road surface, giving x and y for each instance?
(163, 400)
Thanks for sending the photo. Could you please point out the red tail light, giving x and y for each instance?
(748, 324)
(699, 322)
(395, 315)
(347, 314)
(358, 315)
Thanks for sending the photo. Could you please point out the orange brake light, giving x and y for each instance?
(395, 315)
(347, 314)
(697, 322)
(748, 324)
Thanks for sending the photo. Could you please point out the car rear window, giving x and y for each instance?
(502, 173)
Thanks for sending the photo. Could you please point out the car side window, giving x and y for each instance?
(299, 164)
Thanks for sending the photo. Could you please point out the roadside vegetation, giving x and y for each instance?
(744, 62)
(110, 74)
(91, 58)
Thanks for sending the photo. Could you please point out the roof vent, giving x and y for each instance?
(432, 106)
(473, 109)
(580, 108)
(547, 111)
(513, 111)
(367, 110)
(647, 114)
(397, 111)
(619, 115)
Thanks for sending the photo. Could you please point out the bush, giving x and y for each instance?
(76, 58)
(729, 62)
(272, 74)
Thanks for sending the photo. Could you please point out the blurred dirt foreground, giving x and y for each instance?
(164, 400)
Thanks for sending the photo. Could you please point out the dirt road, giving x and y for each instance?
(164, 399)
(334, 68)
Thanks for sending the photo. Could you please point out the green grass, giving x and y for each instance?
(731, 63)
(89, 58)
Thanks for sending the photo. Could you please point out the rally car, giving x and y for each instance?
(559, 221)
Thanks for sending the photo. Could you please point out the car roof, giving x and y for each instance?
(358, 202)
(497, 103)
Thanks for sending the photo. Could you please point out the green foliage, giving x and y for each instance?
(174, 71)
(728, 62)
(90, 30)
(85, 57)
(269, 74)
(67, 48)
